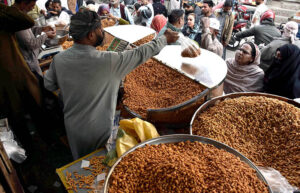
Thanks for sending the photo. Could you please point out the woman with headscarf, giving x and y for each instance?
(191, 29)
(103, 10)
(288, 37)
(158, 22)
(283, 76)
(243, 74)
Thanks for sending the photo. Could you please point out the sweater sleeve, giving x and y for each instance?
(246, 33)
(25, 38)
(124, 62)
(50, 80)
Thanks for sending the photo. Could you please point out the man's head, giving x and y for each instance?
(90, 2)
(25, 5)
(189, 7)
(144, 2)
(214, 26)
(227, 6)
(207, 7)
(176, 18)
(48, 5)
(114, 2)
(56, 4)
(258, 2)
(268, 15)
(85, 28)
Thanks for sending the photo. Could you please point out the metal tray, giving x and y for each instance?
(186, 137)
(212, 102)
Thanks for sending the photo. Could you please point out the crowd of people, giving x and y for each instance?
(89, 80)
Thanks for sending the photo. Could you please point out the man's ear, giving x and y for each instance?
(91, 35)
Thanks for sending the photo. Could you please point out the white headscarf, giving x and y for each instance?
(290, 31)
(244, 78)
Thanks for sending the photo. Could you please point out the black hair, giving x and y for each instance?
(228, 3)
(83, 23)
(90, 2)
(253, 49)
(56, 1)
(47, 4)
(25, 1)
(156, 1)
(137, 6)
(210, 3)
(175, 15)
(146, 13)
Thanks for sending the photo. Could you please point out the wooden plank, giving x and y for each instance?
(9, 172)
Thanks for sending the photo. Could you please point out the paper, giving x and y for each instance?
(101, 177)
(85, 164)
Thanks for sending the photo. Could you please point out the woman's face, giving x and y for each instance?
(191, 21)
(104, 13)
(243, 55)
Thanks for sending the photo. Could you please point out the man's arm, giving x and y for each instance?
(50, 79)
(246, 33)
(25, 38)
(123, 63)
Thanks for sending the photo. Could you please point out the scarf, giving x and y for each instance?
(158, 22)
(283, 76)
(290, 31)
(244, 78)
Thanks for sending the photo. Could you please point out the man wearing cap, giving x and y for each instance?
(89, 81)
(120, 11)
(209, 38)
(191, 7)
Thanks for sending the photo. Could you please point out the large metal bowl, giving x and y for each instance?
(181, 138)
(212, 102)
(60, 38)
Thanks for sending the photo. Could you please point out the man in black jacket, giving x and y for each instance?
(263, 33)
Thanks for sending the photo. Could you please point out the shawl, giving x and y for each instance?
(244, 78)
(283, 76)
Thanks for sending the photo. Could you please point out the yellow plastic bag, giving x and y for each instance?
(130, 133)
(138, 128)
(124, 143)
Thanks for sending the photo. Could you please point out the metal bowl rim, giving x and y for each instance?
(205, 105)
(186, 137)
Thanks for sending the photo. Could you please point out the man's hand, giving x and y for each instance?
(171, 36)
(43, 12)
(47, 28)
(51, 34)
(53, 12)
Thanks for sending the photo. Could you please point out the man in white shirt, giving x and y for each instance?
(120, 11)
(260, 9)
(147, 12)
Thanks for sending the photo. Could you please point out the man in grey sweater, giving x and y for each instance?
(89, 81)
(263, 33)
